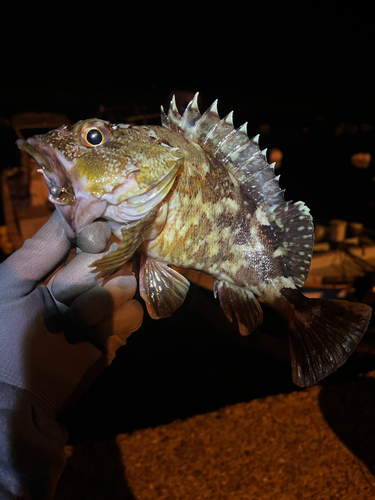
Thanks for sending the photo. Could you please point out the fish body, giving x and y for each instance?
(197, 193)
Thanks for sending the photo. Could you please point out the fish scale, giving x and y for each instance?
(198, 193)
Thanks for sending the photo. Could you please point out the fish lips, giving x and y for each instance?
(76, 213)
(53, 166)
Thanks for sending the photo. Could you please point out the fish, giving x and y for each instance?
(197, 193)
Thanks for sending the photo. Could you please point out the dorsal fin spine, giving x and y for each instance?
(229, 118)
(244, 159)
(164, 117)
(219, 146)
(194, 103)
(247, 150)
(265, 185)
(243, 128)
(191, 116)
(233, 142)
(173, 115)
(209, 118)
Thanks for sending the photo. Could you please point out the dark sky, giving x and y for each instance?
(289, 68)
(282, 67)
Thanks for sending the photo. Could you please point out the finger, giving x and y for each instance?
(78, 277)
(74, 279)
(101, 301)
(93, 238)
(37, 257)
(112, 332)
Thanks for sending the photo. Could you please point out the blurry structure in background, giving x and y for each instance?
(275, 156)
(24, 192)
(135, 115)
(361, 160)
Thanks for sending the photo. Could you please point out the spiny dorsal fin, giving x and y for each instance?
(232, 147)
(190, 116)
(292, 224)
(173, 119)
(294, 228)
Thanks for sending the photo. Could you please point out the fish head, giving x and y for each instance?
(97, 169)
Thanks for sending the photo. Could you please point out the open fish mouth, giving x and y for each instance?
(78, 206)
(53, 166)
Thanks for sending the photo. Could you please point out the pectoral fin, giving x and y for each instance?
(241, 303)
(148, 228)
(161, 287)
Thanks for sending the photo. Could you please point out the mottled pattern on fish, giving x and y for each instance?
(213, 226)
(197, 193)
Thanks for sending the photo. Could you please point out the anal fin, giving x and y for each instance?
(239, 302)
(161, 287)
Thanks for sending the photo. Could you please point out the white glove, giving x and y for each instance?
(96, 315)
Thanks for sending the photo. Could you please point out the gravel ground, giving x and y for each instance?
(278, 447)
(189, 410)
(314, 444)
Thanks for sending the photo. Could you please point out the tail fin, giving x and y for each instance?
(324, 333)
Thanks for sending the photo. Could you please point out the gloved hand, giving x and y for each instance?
(96, 315)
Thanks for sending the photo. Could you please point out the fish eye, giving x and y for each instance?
(94, 133)
(94, 137)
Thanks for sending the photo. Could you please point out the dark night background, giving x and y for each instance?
(296, 77)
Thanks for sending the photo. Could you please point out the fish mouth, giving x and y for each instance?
(53, 166)
(77, 211)
(78, 207)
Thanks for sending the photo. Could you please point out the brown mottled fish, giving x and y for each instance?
(197, 193)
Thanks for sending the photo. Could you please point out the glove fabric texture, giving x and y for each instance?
(54, 341)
